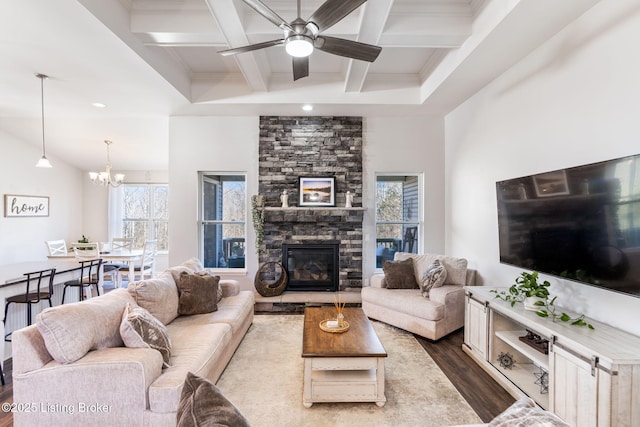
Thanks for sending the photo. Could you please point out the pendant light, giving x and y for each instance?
(104, 178)
(43, 162)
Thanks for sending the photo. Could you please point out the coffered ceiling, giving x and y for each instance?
(150, 59)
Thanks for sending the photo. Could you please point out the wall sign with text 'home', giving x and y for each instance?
(15, 205)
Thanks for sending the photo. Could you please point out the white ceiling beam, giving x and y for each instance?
(253, 65)
(372, 25)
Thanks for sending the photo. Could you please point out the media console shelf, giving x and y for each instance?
(587, 377)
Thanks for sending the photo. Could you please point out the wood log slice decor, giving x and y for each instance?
(265, 281)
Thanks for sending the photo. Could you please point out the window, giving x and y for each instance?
(222, 220)
(398, 213)
(140, 211)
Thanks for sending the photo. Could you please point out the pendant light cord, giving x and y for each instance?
(42, 77)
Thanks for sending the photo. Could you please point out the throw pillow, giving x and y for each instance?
(433, 277)
(399, 274)
(523, 413)
(456, 267)
(139, 329)
(158, 295)
(208, 273)
(198, 293)
(203, 404)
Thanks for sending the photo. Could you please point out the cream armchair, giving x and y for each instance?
(431, 317)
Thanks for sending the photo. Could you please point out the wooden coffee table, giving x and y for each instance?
(342, 367)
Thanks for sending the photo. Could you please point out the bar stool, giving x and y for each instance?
(89, 276)
(33, 295)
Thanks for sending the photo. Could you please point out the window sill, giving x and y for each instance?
(228, 271)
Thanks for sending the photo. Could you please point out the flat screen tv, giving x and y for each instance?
(581, 223)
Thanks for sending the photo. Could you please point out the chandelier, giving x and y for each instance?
(104, 178)
(43, 162)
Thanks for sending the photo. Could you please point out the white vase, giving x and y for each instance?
(530, 303)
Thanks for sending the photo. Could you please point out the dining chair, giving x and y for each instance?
(147, 266)
(56, 247)
(89, 276)
(36, 291)
(119, 244)
(89, 251)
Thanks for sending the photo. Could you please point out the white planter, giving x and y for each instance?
(529, 303)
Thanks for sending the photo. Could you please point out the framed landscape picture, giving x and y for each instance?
(317, 191)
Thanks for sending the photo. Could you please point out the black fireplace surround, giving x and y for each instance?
(311, 267)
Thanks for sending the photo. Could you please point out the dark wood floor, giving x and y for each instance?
(482, 393)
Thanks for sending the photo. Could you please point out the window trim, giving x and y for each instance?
(420, 216)
(200, 221)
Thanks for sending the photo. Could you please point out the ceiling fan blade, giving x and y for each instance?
(348, 48)
(300, 67)
(265, 11)
(333, 11)
(250, 47)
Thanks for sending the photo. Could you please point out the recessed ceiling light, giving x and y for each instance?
(99, 105)
(307, 107)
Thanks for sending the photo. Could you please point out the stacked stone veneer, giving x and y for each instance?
(294, 147)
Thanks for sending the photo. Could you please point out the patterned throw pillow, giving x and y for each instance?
(525, 412)
(433, 277)
(139, 329)
(203, 404)
(399, 274)
(198, 293)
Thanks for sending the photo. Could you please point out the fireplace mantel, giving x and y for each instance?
(312, 208)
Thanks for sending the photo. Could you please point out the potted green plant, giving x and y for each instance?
(526, 290)
(536, 297)
(257, 214)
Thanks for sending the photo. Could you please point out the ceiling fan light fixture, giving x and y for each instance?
(299, 46)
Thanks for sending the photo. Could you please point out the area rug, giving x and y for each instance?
(264, 380)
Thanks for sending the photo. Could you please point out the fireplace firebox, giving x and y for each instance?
(311, 267)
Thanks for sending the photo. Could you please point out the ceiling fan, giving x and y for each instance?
(301, 37)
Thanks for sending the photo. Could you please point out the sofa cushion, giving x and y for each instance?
(177, 271)
(523, 413)
(71, 330)
(203, 404)
(407, 301)
(456, 267)
(139, 329)
(231, 310)
(198, 293)
(399, 274)
(194, 264)
(197, 348)
(433, 277)
(158, 295)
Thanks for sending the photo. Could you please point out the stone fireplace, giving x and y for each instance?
(294, 147)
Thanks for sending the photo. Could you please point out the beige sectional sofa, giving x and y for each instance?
(433, 317)
(72, 368)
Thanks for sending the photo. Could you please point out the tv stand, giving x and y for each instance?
(586, 377)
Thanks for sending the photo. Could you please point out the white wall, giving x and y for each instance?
(22, 239)
(404, 145)
(573, 101)
(213, 144)
(391, 144)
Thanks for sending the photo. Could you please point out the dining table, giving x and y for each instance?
(120, 256)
